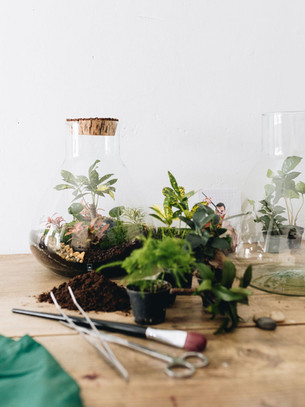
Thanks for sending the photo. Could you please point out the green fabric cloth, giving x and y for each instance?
(31, 377)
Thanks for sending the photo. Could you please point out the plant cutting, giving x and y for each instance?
(282, 188)
(220, 297)
(146, 269)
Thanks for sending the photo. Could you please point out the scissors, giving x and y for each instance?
(186, 369)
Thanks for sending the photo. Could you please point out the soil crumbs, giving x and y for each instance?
(93, 292)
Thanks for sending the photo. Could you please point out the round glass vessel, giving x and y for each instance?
(92, 214)
(272, 232)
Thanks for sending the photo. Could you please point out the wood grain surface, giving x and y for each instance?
(249, 367)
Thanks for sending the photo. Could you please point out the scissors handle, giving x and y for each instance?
(201, 361)
(188, 369)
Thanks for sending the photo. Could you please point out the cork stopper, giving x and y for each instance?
(94, 126)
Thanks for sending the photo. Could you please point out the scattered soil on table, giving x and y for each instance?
(93, 292)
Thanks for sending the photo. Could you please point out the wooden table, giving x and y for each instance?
(249, 367)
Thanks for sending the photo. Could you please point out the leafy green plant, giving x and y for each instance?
(82, 186)
(175, 203)
(270, 216)
(206, 236)
(219, 297)
(283, 186)
(148, 265)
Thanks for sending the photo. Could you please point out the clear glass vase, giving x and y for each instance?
(92, 213)
(272, 232)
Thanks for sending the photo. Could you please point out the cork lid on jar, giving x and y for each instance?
(94, 126)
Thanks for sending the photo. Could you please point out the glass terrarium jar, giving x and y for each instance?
(92, 214)
(272, 234)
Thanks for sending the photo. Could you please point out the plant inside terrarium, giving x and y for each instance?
(91, 236)
(283, 189)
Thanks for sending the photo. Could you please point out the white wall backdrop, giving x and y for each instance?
(188, 80)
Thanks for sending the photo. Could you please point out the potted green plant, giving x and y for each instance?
(146, 269)
(220, 297)
(282, 188)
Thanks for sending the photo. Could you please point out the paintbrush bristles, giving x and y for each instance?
(195, 342)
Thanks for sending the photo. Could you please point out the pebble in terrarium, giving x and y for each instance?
(93, 215)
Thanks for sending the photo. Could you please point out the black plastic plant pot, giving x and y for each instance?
(187, 283)
(149, 308)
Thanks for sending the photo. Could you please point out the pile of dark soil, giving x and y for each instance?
(93, 292)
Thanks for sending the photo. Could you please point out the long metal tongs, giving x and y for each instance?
(103, 346)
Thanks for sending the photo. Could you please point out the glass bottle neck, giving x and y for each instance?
(91, 145)
(85, 146)
(283, 134)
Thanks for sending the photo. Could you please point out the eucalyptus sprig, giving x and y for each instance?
(82, 186)
(219, 297)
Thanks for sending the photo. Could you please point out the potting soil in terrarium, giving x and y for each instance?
(93, 291)
(92, 213)
(273, 231)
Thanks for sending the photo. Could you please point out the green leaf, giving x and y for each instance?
(225, 294)
(220, 243)
(190, 194)
(290, 163)
(93, 166)
(247, 277)
(194, 240)
(241, 290)
(292, 175)
(75, 208)
(112, 181)
(103, 188)
(291, 194)
(93, 177)
(269, 189)
(157, 209)
(270, 174)
(278, 209)
(205, 271)
(279, 218)
(189, 222)
(202, 216)
(111, 194)
(68, 177)
(174, 184)
(104, 178)
(205, 285)
(228, 274)
(166, 191)
(61, 187)
(116, 212)
(158, 217)
(300, 187)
